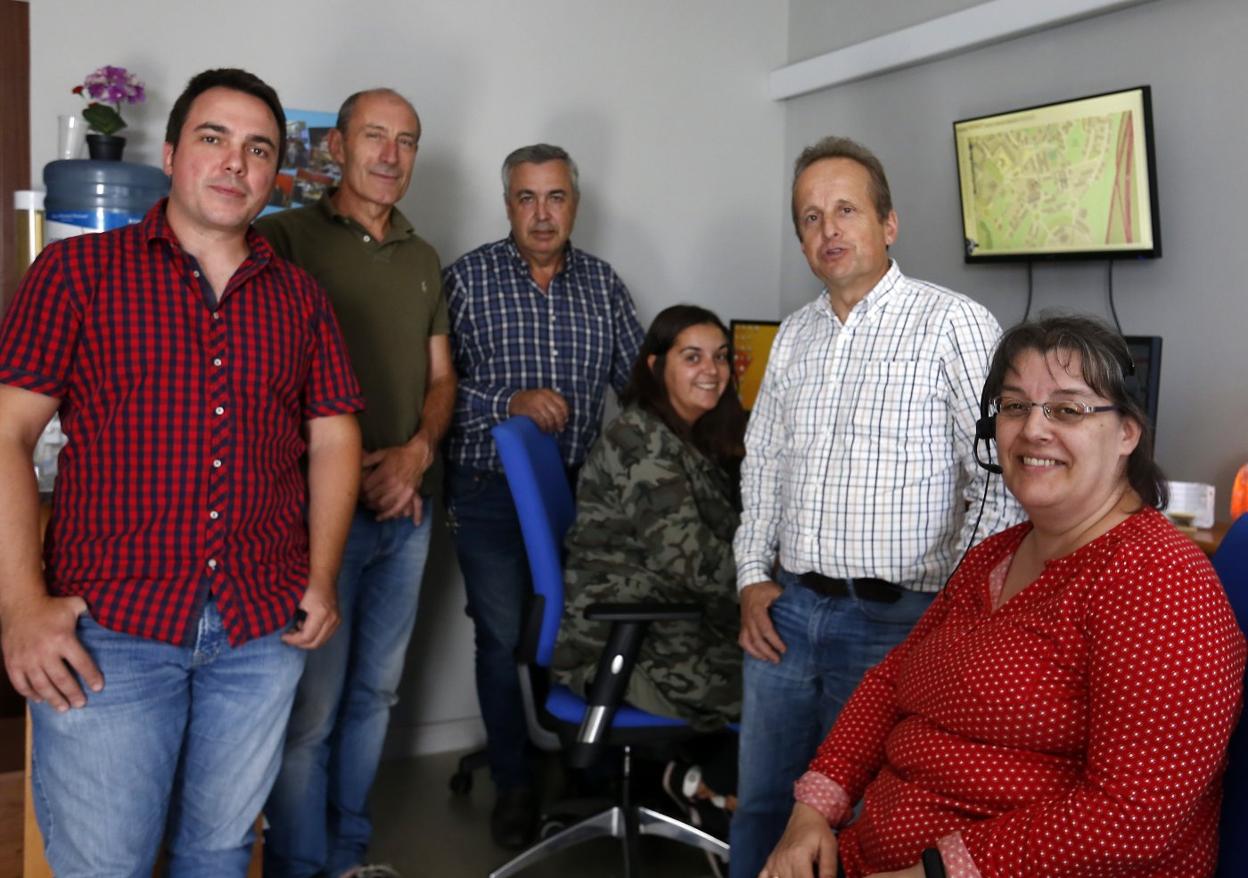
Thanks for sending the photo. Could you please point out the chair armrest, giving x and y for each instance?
(628, 626)
(643, 612)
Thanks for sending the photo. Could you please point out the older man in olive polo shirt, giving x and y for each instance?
(385, 284)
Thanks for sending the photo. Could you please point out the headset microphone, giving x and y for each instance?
(985, 431)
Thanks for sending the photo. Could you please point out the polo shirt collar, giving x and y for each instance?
(400, 226)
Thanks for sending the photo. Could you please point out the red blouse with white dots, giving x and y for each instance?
(1078, 729)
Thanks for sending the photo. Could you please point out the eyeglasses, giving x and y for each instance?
(1066, 412)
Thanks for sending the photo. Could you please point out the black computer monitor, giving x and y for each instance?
(1146, 354)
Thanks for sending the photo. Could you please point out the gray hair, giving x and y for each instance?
(844, 148)
(539, 154)
(348, 106)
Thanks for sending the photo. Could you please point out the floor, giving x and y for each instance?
(12, 823)
(425, 831)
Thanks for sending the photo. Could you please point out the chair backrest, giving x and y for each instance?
(1231, 563)
(539, 487)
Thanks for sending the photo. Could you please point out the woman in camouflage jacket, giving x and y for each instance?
(656, 511)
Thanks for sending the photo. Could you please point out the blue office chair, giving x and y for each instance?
(1231, 563)
(544, 502)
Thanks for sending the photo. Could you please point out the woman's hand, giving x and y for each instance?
(808, 841)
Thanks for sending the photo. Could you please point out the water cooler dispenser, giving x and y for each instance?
(83, 196)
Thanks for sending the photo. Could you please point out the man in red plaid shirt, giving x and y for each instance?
(201, 508)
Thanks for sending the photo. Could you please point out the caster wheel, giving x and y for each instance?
(461, 783)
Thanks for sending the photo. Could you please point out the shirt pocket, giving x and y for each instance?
(267, 355)
(898, 403)
(584, 339)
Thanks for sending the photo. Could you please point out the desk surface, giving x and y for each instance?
(1208, 538)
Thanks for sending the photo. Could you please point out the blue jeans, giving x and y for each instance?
(788, 708)
(496, 577)
(190, 736)
(318, 811)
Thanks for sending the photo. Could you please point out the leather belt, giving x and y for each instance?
(866, 588)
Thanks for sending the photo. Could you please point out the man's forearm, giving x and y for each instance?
(21, 575)
(435, 416)
(333, 487)
(23, 415)
(439, 407)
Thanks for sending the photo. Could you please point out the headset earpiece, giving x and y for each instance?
(985, 431)
(1130, 383)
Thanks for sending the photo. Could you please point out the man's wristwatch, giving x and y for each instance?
(933, 865)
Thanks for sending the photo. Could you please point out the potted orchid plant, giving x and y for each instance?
(106, 90)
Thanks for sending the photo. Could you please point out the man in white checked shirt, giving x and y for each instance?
(860, 487)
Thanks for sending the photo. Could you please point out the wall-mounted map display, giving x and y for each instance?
(1069, 180)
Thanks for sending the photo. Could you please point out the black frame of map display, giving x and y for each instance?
(1132, 196)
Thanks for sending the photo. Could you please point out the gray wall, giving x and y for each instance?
(1191, 53)
(818, 26)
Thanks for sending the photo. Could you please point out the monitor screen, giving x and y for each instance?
(1069, 180)
(1146, 354)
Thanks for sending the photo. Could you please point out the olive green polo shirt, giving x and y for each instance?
(388, 299)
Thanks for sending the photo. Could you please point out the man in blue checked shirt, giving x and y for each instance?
(538, 328)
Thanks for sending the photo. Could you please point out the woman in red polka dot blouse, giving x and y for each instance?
(1063, 709)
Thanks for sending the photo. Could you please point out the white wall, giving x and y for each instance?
(1191, 53)
(662, 104)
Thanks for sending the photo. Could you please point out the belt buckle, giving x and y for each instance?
(826, 586)
(876, 590)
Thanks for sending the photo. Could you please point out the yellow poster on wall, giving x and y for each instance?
(751, 346)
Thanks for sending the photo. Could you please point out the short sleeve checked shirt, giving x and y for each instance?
(577, 338)
(185, 416)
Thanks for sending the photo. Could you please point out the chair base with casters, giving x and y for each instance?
(461, 781)
(627, 822)
(586, 726)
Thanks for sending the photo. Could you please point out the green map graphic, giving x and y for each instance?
(1059, 186)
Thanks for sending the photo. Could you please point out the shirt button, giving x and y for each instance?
(214, 515)
(216, 316)
(219, 410)
(216, 464)
(553, 352)
(367, 238)
(195, 274)
(212, 563)
(216, 361)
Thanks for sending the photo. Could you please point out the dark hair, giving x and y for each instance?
(348, 106)
(1105, 366)
(844, 148)
(720, 433)
(540, 154)
(236, 80)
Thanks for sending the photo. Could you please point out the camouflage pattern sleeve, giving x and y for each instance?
(654, 523)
